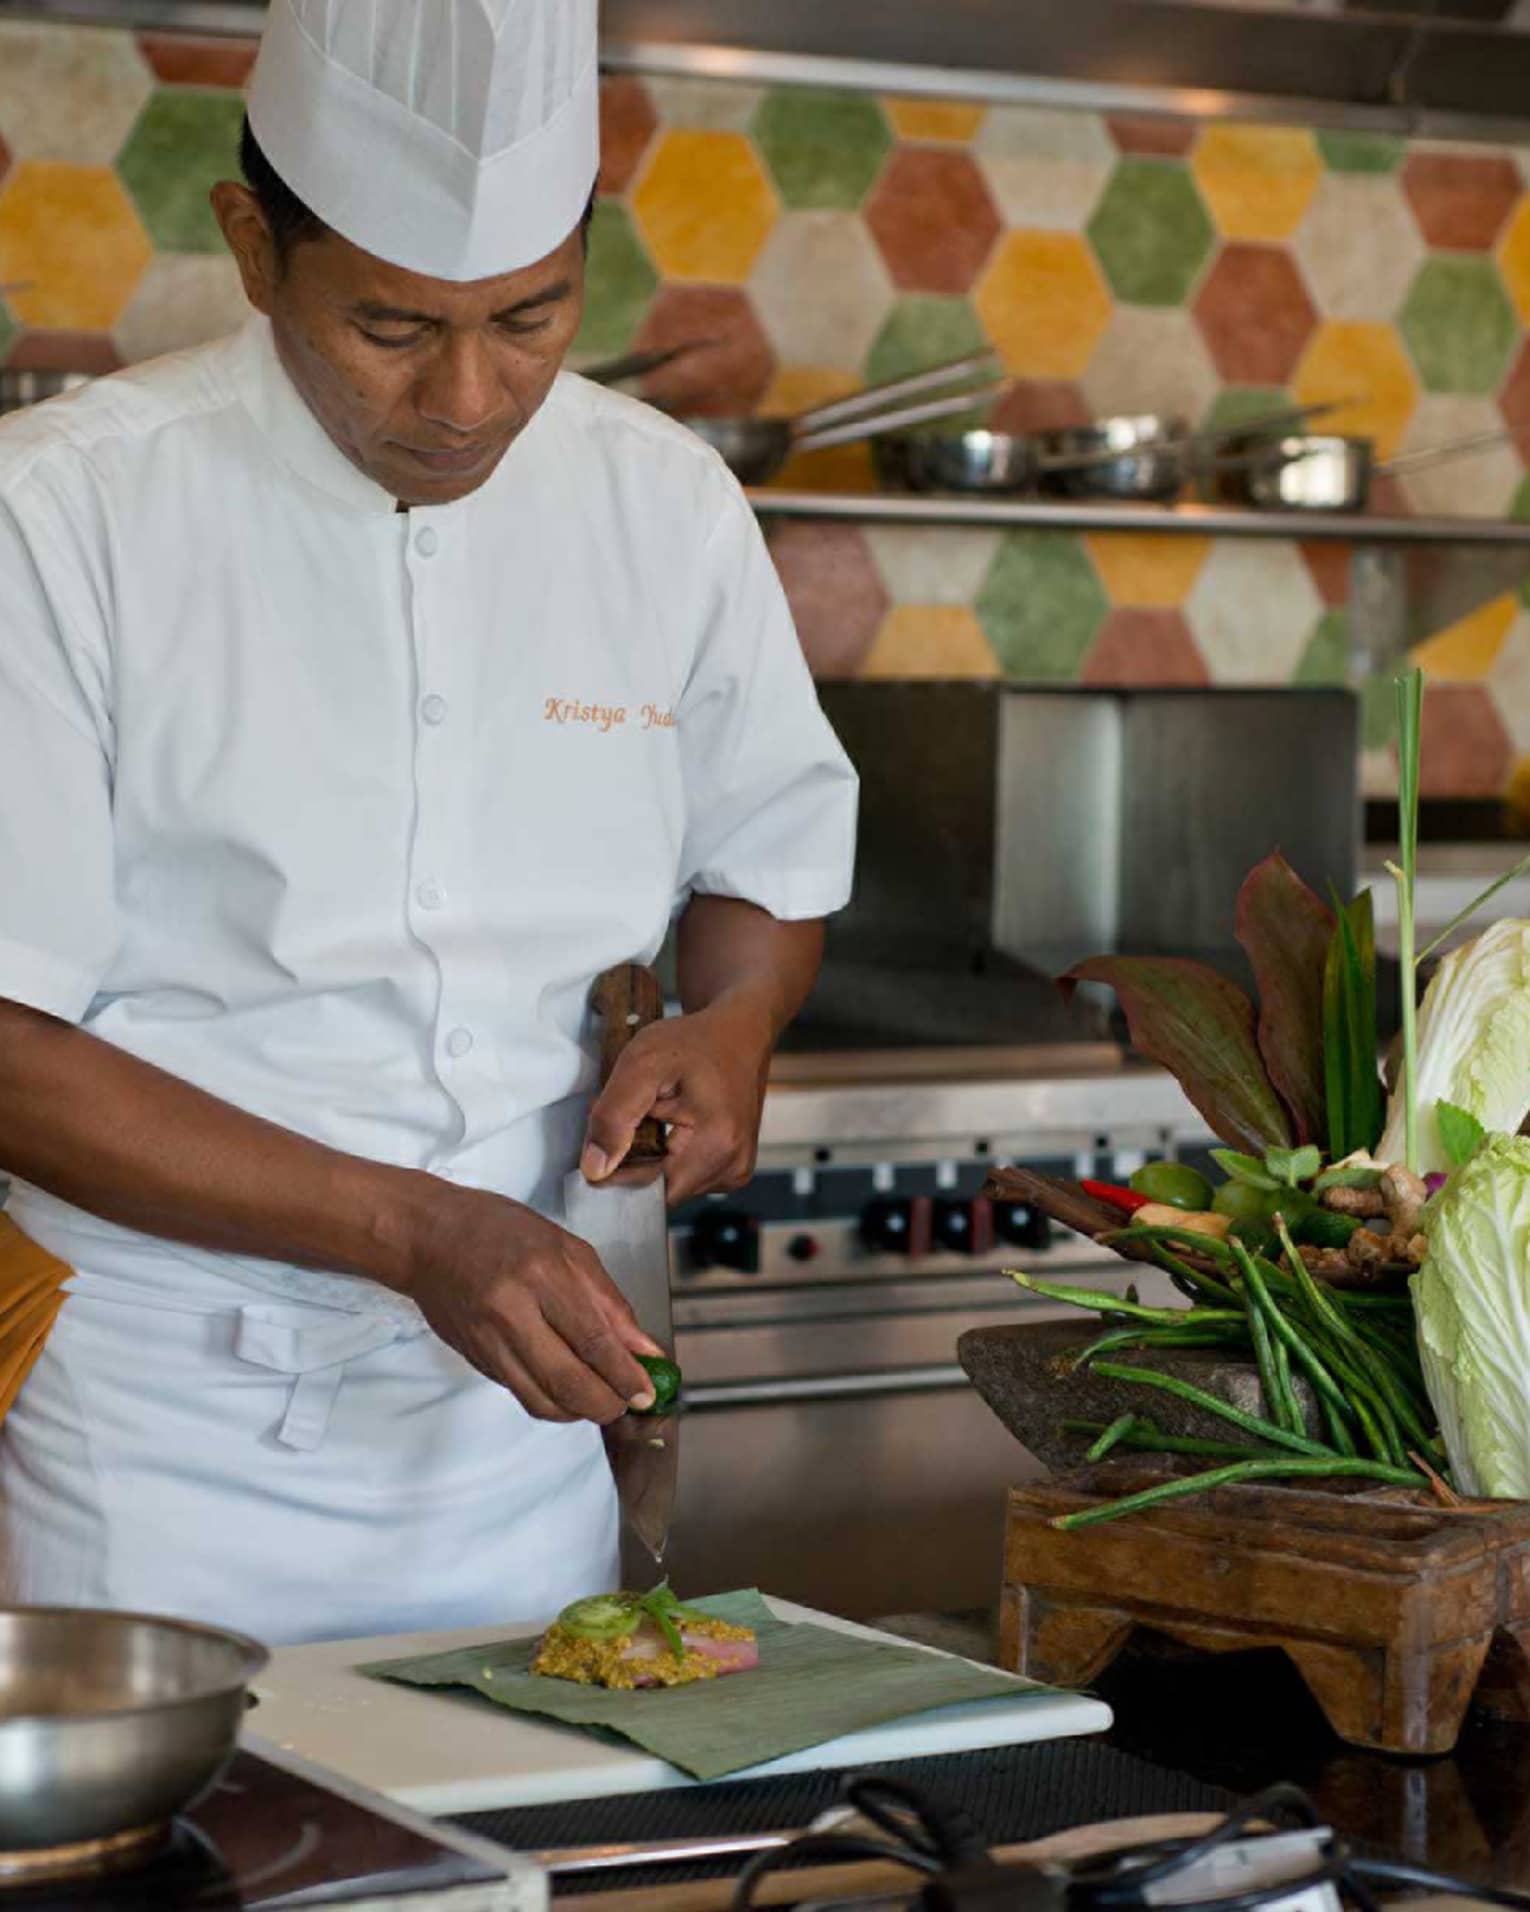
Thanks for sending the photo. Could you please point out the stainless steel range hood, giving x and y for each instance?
(1458, 68)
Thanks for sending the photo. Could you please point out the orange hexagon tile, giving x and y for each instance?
(930, 640)
(72, 234)
(940, 122)
(1364, 365)
(1514, 258)
(1043, 303)
(1257, 180)
(1146, 570)
(795, 388)
(1466, 652)
(704, 206)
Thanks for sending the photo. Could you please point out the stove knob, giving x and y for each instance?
(725, 1238)
(964, 1228)
(1021, 1226)
(803, 1248)
(897, 1227)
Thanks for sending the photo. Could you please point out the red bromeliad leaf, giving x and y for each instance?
(1285, 930)
(1200, 1027)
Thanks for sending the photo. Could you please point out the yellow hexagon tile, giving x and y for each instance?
(1364, 365)
(1043, 303)
(1514, 258)
(930, 640)
(796, 388)
(1465, 652)
(705, 206)
(944, 122)
(1139, 568)
(1517, 794)
(72, 234)
(1257, 180)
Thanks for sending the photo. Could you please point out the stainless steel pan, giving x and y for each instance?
(1322, 473)
(756, 448)
(971, 461)
(110, 1722)
(1134, 459)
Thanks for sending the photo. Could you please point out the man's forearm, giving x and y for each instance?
(730, 953)
(127, 1142)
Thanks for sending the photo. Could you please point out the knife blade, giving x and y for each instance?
(626, 1222)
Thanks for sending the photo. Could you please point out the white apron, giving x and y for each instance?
(194, 1448)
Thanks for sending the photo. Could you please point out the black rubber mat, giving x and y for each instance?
(1014, 1793)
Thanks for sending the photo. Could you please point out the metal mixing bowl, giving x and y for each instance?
(111, 1721)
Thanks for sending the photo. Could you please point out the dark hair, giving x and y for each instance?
(291, 220)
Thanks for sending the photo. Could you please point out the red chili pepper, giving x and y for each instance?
(1126, 1199)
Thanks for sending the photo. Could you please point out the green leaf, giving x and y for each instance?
(1199, 1027)
(1347, 1178)
(1290, 1166)
(1243, 1168)
(1285, 930)
(1349, 1032)
(1460, 1131)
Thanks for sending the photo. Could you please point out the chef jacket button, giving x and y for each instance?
(459, 1042)
(433, 709)
(426, 542)
(428, 896)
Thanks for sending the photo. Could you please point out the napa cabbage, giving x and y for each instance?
(1473, 1044)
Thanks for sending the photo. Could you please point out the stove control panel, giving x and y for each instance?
(886, 1221)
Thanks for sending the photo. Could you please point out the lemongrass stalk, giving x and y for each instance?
(1407, 964)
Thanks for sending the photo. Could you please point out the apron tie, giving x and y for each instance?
(313, 1350)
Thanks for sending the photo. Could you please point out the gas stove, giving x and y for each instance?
(277, 1835)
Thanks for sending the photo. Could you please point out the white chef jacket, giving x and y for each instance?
(335, 810)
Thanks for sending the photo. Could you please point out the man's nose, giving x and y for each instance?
(461, 391)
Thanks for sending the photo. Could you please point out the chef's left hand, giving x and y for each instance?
(702, 1074)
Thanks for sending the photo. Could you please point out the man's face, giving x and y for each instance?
(422, 383)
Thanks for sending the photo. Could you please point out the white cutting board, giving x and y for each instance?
(444, 1752)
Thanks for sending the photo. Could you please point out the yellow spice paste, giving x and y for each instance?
(565, 1656)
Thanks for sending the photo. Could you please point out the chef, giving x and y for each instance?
(368, 685)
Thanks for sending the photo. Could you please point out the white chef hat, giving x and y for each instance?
(457, 138)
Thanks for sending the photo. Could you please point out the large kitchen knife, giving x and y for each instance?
(626, 1222)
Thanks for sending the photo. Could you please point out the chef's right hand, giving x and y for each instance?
(531, 1307)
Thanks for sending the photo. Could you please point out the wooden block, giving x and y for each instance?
(1386, 1603)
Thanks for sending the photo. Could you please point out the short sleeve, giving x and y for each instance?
(57, 897)
(770, 795)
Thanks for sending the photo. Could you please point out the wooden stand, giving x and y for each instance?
(1396, 1612)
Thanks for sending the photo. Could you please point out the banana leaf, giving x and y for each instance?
(1285, 930)
(1200, 1027)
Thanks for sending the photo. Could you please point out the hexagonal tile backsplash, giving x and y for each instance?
(830, 239)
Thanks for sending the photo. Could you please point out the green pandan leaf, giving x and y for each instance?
(1200, 1027)
(1285, 931)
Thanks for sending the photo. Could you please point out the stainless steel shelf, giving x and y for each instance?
(1024, 514)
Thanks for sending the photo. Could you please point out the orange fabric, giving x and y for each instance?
(31, 1294)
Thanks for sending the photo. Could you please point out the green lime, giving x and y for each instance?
(1175, 1184)
(666, 1383)
(1243, 1203)
(1312, 1225)
(1257, 1236)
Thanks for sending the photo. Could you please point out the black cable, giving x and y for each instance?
(1127, 1875)
(828, 1846)
(1389, 1872)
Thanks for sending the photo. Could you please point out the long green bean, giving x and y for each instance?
(1118, 1430)
(1145, 1437)
(1323, 1384)
(1336, 1468)
(1198, 1397)
(1102, 1303)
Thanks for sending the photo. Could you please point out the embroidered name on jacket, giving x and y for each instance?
(604, 717)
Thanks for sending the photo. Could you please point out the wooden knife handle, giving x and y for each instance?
(627, 999)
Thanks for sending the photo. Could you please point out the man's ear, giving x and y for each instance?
(249, 238)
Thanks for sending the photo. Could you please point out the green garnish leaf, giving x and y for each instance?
(1247, 1169)
(1355, 1113)
(1290, 1166)
(1340, 1177)
(1460, 1132)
